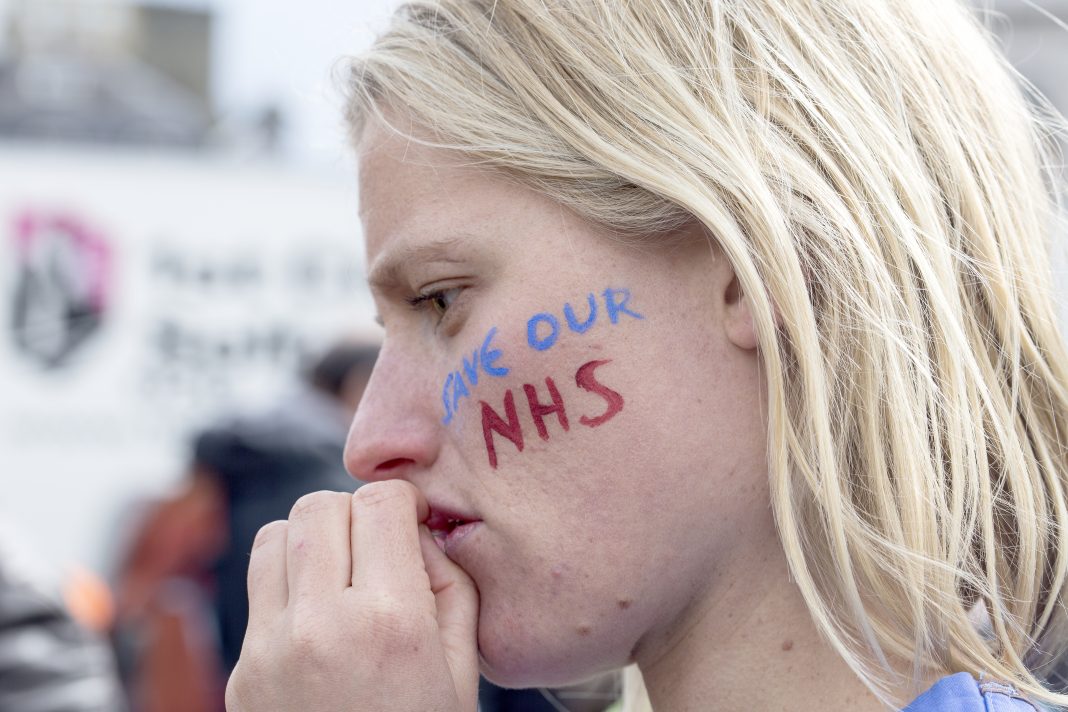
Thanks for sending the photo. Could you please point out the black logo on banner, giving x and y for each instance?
(62, 286)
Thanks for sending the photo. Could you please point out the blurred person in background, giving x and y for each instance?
(265, 463)
(182, 597)
(165, 633)
(49, 661)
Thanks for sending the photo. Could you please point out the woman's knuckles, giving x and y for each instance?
(269, 532)
(317, 636)
(317, 504)
(390, 629)
(389, 493)
(313, 646)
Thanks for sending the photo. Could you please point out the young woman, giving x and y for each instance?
(718, 338)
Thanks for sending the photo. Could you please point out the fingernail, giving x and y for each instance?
(439, 537)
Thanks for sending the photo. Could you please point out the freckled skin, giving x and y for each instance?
(638, 503)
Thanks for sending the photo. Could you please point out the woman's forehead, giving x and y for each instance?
(415, 197)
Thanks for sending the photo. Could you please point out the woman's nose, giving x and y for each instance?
(395, 429)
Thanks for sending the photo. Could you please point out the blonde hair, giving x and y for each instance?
(875, 176)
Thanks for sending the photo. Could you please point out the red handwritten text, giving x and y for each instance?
(510, 428)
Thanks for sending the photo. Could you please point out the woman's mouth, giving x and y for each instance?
(449, 528)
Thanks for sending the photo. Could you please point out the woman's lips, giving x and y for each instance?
(452, 539)
(450, 528)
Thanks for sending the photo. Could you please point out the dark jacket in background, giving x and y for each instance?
(264, 464)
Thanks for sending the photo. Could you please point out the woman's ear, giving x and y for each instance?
(727, 290)
(737, 316)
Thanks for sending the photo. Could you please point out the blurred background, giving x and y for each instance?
(179, 254)
(177, 231)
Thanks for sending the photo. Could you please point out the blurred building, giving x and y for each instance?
(106, 72)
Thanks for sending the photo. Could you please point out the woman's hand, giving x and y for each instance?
(352, 606)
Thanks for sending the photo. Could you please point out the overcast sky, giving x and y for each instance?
(283, 52)
(277, 52)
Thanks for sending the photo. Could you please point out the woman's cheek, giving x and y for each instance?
(526, 390)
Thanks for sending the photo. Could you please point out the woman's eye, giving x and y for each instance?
(439, 300)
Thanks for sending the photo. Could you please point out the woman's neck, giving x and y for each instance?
(749, 643)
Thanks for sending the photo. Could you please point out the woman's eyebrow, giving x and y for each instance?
(385, 272)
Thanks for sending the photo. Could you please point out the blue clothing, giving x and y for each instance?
(962, 693)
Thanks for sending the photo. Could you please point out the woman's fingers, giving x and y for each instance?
(317, 553)
(401, 637)
(456, 600)
(454, 591)
(267, 587)
(386, 558)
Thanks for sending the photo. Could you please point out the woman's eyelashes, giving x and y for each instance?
(438, 301)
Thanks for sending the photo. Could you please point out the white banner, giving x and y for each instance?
(140, 297)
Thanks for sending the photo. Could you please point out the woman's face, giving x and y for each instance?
(583, 416)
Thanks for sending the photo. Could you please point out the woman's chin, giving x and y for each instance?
(523, 675)
(520, 661)
(513, 665)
